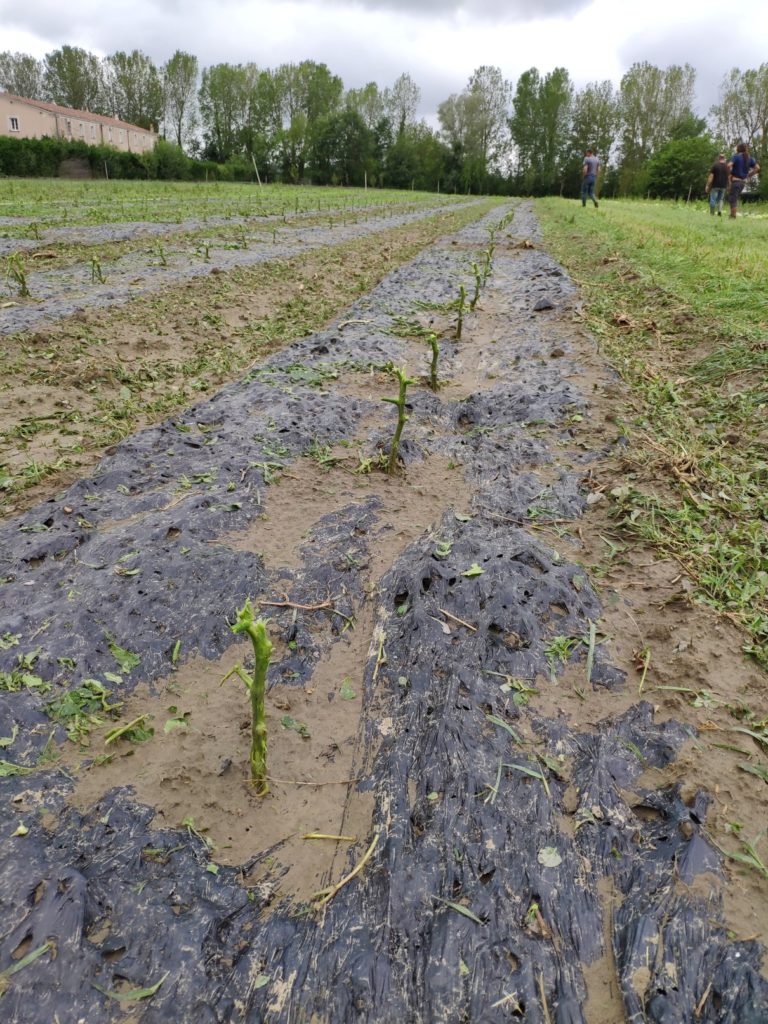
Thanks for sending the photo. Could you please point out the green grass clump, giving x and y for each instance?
(16, 272)
(679, 304)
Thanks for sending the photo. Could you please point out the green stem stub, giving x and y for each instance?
(257, 686)
(433, 383)
(460, 306)
(403, 380)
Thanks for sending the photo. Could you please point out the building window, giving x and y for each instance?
(69, 127)
(93, 131)
(13, 123)
(109, 133)
(82, 130)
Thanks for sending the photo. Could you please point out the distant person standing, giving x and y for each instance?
(742, 167)
(717, 184)
(589, 173)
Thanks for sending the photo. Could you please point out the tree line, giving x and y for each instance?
(297, 122)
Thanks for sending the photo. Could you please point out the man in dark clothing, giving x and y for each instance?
(589, 173)
(742, 167)
(717, 184)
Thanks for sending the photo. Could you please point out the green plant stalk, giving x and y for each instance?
(460, 311)
(487, 264)
(399, 402)
(432, 339)
(478, 282)
(97, 274)
(257, 685)
(15, 272)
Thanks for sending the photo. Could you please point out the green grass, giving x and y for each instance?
(678, 301)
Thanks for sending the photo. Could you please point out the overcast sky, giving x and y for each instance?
(438, 42)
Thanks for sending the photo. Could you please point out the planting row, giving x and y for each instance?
(30, 206)
(58, 293)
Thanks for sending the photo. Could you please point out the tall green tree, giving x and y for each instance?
(22, 75)
(343, 150)
(134, 87)
(652, 102)
(595, 119)
(680, 167)
(73, 77)
(180, 74)
(555, 102)
(263, 124)
(309, 94)
(401, 102)
(224, 103)
(594, 125)
(523, 127)
(540, 129)
(742, 112)
(368, 102)
(474, 124)
(433, 158)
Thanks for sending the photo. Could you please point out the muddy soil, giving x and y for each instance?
(478, 690)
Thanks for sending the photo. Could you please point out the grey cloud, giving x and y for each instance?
(497, 10)
(736, 48)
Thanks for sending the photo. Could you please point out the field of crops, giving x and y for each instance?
(200, 296)
(516, 722)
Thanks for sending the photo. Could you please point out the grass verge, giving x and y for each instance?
(679, 303)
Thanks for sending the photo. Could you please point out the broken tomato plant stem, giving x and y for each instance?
(256, 685)
(404, 380)
(460, 305)
(432, 339)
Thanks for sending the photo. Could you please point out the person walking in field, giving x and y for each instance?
(717, 184)
(589, 173)
(742, 167)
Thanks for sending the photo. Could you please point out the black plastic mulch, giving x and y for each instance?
(501, 831)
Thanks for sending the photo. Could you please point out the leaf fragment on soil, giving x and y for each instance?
(7, 741)
(135, 993)
(24, 962)
(288, 722)
(503, 725)
(549, 857)
(460, 909)
(127, 660)
(755, 769)
(346, 692)
(8, 768)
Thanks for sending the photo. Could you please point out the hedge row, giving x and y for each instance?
(42, 158)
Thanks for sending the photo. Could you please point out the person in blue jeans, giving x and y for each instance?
(742, 167)
(589, 173)
(717, 184)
